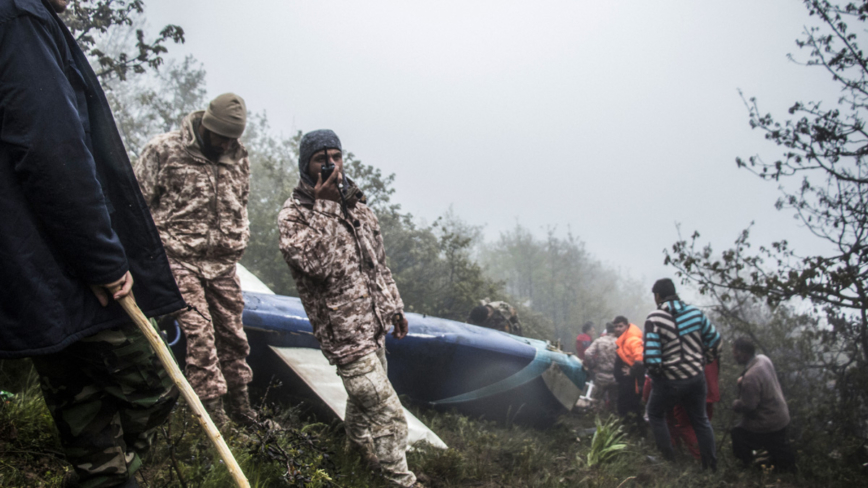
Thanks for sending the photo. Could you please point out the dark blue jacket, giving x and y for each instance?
(71, 213)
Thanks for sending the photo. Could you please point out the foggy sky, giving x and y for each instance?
(615, 120)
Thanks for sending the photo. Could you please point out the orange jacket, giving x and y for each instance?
(630, 347)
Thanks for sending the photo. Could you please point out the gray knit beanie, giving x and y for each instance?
(226, 116)
(312, 143)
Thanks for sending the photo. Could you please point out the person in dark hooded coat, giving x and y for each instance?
(74, 223)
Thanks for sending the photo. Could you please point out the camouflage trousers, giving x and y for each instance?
(374, 417)
(107, 394)
(217, 346)
(606, 391)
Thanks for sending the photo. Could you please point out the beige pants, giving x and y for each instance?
(217, 346)
(374, 417)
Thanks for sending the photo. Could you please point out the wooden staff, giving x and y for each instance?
(132, 309)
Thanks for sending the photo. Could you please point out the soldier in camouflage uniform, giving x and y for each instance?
(196, 182)
(600, 360)
(335, 252)
(495, 315)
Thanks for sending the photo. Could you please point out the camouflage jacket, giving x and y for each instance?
(199, 206)
(600, 357)
(503, 317)
(340, 270)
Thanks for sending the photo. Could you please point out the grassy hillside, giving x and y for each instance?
(307, 451)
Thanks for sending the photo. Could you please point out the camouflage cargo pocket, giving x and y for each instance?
(235, 235)
(369, 390)
(348, 317)
(132, 364)
(186, 237)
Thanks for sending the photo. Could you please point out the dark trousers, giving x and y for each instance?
(690, 394)
(682, 432)
(781, 454)
(630, 405)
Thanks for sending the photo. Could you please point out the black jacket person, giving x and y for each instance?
(72, 213)
(73, 219)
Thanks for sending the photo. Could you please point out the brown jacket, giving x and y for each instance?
(199, 206)
(340, 270)
(760, 399)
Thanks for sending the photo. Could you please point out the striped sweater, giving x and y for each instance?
(679, 340)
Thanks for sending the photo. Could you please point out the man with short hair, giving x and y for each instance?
(629, 373)
(765, 415)
(583, 340)
(332, 243)
(196, 181)
(495, 315)
(74, 235)
(600, 360)
(679, 341)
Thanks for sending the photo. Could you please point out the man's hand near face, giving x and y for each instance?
(328, 189)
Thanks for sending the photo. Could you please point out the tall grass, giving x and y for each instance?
(29, 449)
(307, 451)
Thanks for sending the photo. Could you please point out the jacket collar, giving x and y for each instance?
(671, 304)
(191, 142)
(751, 363)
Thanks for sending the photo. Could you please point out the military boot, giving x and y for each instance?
(70, 480)
(238, 407)
(214, 407)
